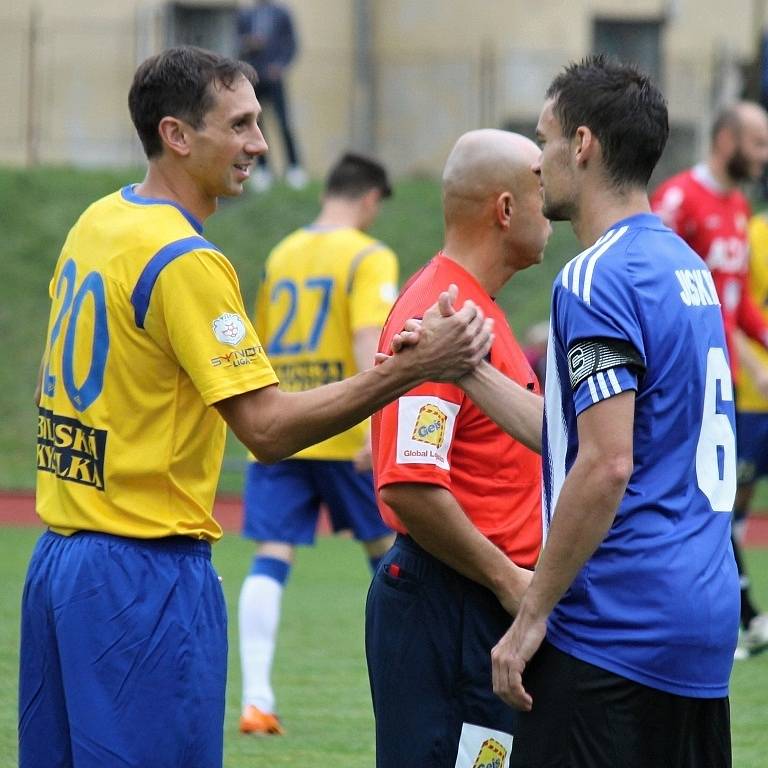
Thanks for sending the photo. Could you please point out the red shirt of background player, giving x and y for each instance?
(435, 434)
(713, 221)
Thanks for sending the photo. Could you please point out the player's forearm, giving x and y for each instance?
(437, 522)
(275, 424)
(585, 511)
(516, 410)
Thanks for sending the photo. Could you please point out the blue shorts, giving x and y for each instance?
(752, 440)
(123, 654)
(281, 501)
(429, 632)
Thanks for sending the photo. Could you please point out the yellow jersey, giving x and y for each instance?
(147, 330)
(320, 285)
(748, 398)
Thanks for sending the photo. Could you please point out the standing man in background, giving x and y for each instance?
(326, 292)
(267, 40)
(706, 207)
(464, 497)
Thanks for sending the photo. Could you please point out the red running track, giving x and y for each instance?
(18, 508)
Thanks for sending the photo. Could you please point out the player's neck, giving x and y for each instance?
(160, 184)
(718, 171)
(483, 260)
(600, 211)
(338, 213)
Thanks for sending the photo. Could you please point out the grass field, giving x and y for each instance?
(320, 676)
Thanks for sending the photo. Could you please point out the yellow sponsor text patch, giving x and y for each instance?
(492, 755)
(430, 426)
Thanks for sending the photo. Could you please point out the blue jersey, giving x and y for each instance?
(658, 601)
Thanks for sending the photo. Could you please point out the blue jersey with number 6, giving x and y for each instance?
(658, 602)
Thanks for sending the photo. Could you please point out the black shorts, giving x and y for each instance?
(586, 717)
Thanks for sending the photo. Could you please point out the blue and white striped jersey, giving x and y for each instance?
(658, 602)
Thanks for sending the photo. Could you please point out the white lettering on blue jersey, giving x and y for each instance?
(698, 287)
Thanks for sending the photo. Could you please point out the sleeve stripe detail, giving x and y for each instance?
(593, 389)
(357, 259)
(614, 381)
(146, 282)
(603, 385)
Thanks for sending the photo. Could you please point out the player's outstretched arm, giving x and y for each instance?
(516, 410)
(275, 424)
(584, 514)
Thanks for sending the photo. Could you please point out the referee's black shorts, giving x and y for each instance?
(586, 717)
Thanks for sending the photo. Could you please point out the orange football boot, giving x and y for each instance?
(259, 723)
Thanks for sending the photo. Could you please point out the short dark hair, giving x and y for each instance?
(622, 107)
(178, 83)
(355, 175)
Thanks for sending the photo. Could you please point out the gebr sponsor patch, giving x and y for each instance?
(425, 430)
(481, 747)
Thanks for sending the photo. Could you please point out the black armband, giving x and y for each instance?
(587, 357)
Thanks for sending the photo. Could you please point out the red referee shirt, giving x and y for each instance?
(713, 222)
(435, 434)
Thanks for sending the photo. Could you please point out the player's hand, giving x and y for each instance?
(509, 657)
(451, 343)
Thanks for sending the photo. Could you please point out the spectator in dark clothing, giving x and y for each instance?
(267, 41)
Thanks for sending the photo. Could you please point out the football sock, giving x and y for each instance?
(259, 616)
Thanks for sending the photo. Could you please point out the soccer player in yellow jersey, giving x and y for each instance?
(149, 352)
(326, 292)
(752, 436)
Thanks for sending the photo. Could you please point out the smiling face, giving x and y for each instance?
(224, 148)
(553, 167)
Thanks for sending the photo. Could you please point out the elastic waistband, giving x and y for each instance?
(180, 544)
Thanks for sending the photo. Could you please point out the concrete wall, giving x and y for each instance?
(438, 67)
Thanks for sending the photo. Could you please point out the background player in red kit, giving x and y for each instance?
(706, 207)
(464, 497)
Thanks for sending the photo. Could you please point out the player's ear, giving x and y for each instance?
(505, 207)
(174, 134)
(584, 144)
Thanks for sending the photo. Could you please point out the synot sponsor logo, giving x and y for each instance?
(237, 357)
(229, 328)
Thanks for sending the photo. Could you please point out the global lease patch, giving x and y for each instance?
(425, 430)
(71, 450)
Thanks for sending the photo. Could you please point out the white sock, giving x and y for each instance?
(259, 616)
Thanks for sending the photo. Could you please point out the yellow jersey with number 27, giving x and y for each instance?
(320, 286)
(147, 331)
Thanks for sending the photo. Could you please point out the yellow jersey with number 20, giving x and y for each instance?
(147, 330)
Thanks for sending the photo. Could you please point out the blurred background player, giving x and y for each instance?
(326, 292)
(707, 208)
(752, 432)
(464, 497)
(267, 41)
